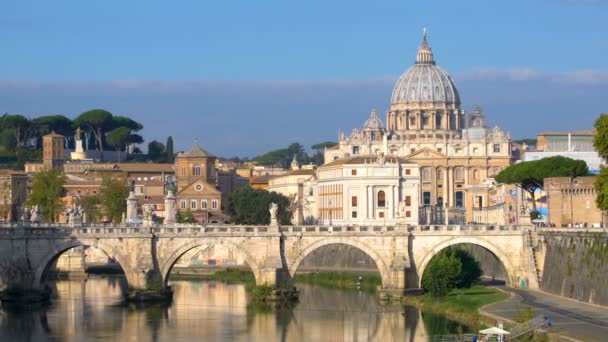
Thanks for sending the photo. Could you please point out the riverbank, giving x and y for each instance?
(341, 280)
(460, 304)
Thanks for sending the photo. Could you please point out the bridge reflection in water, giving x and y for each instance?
(210, 311)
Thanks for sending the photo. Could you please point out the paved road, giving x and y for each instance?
(572, 319)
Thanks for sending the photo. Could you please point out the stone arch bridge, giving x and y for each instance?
(273, 253)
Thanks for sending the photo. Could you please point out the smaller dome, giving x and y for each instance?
(373, 123)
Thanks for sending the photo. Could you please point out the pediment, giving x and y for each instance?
(199, 187)
(426, 153)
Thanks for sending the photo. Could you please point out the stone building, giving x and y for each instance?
(13, 194)
(291, 185)
(576, 145)
(196, 185)
(457, 152)
(571, 202)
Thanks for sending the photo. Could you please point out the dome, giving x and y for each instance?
(373, 123)
(425, 81)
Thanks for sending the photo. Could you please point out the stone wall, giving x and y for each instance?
(576, 265)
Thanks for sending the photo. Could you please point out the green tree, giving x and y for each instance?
(441, 275)
(185, 216)
(323, 145)
(251, 206)
(113, 197)
(600, 142)
(17, 124)
(530, 175)
(91, 205)
(47, 191)
(169, 150)
(452, 268)
(98, 121)
(119, 138)
(156, 151)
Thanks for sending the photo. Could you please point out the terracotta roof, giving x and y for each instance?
(195, 152)
(7, 172)
(260, 179)
(366, 160)
(298, 172)
(589, 132)
(146, 167)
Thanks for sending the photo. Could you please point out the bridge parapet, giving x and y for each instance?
(468, 229)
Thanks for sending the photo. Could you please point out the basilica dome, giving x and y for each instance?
(425, 81)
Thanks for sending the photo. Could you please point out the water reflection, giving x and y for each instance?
(214, 311)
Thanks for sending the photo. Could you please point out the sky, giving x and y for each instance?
(245, 77)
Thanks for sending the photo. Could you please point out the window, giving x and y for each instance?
(408, 201)
(335, 157)
(439, 174)
(196, 169)
(182, 204)
(426, 174)
(425, 121)
(496, 148)
(214, 204)
(192, 204)
(408, 213)
(439, 149)
(408, 171)
(355, 149)
(353, 172)
(183, 171)
(204, 204)
(440, 201)
(412, 150)
(353, 214)
(381, 199)
(426, 198)
(459, 199)
(412, 121)
(475, 175)
(458, 174)
(475, 150)
(353, 201)
(458, 149)
(381, 214)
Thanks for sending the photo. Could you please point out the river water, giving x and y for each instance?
(214, 311)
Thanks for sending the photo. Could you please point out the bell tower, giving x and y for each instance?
(53, 151)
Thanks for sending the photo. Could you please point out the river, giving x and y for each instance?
(214, 311)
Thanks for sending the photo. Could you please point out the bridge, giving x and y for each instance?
(274, 253)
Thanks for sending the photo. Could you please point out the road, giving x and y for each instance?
(578, 321)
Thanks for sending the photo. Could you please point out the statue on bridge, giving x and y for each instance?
(273, 214)
(401, 211)
(25, 214)
(73, 214)
(148, 213)
(35, 213)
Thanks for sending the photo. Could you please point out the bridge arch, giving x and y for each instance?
(167, 264)
(378, 260)
(508, 266)
(58, 249)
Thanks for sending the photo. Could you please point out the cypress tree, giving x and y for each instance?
(169, 149)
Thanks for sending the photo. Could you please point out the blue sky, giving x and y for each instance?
(256, 75)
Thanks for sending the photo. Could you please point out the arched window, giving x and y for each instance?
(381, 199)
(196, 169)
(439, 174)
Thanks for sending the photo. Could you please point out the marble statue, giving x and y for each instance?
(273, 213)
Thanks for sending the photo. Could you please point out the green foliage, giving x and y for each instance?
(47, 191)
(229, 275)
(452, 268)
(49, 123)
(91, 205)
(113, 197)
(530, 175)
(185, 216)
(522, 316)
(169, 150)
(534, 214)
(441, 274)
(119, 138)
(600, 142)
(123, 121)
(527, 141)
(251, 206)
(156, 151)
(97, 121)
(323, 145)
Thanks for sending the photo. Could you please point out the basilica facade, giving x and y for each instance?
(457, 154)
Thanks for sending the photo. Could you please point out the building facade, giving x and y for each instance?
(196, 185)
(458, 154)
(571, 202)
(13, 194)
(575, 145)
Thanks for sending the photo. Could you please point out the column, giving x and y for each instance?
(445, 186)
(395, 201)
(367, 202)
(419, 120)
(446, 120)
(451, 185)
